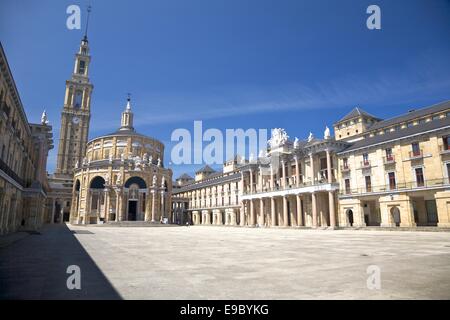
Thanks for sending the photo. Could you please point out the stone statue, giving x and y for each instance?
(310, 137)
(278, 138)
(137, 163)
(119, 178)
(296, 143)
(84, 161)
(150, 159)
(110, 158)
(107, 180)
(44, 119)
(159, 162)
(326, 134)
(77, 164)
(261, 153)
(154, 180)
(122, 157)
(163, 182)
(145, 158)
(251, 159)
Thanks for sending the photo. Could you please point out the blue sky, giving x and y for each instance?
(299, 65)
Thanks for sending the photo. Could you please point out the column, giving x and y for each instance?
(329, 173)
(299, 211)
(273, 211)
(314, 210)
(153, 204)
(272, 186)
(242, 214)
(251, 182)
(252, 213)
(53, 211)
(163, 213)
(241, 183)
(106, 204)
(117, 205)
(285, 212)
(61, 214)
(261, 212)
(331, 209)
(297, 173)
(260, 179)
(311, 164)
(283, 173)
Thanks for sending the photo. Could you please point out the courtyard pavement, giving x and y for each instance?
(225, 263)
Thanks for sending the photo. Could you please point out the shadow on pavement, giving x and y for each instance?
(35, 268)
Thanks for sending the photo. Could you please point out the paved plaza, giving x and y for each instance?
(225, 263)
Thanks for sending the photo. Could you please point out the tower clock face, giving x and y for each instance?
(76, 120)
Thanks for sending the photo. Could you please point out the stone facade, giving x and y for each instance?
(122, 178)
(374, 172)
(24, 150)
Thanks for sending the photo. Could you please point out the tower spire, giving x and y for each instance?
(87, 22)
(127, 116)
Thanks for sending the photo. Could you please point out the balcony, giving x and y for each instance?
(444, 149)
(345, 168)
(398, 186)
(389, 160)
(416, 154)
(365, 164)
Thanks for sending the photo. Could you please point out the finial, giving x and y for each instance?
(128, 102)
(87, 22)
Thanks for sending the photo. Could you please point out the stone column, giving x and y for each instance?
(297, 173)
(311, 163)
(283, 173)
(242, 214)
(272, 185)
(52, 220)
(260, 179)
(273, 211)
(331, 209)
(285, 212)
(299, 211)
(106, 201)
(329, 173)
(153, 204)
(61, 220)
(314, 210)
(251, 181)
(163, 213)
(252, 213)
(261, 211)
(117, 205)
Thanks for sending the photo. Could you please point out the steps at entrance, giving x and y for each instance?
(133, 224)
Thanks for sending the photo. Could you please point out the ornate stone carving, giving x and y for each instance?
(310, 137)
(278, 137)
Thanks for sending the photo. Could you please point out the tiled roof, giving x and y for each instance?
(356, 112)
(411, 115)
(399, 134)
(208, 182)
(206, 169)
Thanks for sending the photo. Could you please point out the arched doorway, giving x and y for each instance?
(96, 199)
(349, 214)
(136, 191)
(395, 214)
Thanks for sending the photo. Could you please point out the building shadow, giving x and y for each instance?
(36, 268)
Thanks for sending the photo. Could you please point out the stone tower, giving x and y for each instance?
(76, 114)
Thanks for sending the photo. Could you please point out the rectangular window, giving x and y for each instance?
(389, 155)
(368, 184)
(415, 149)
(365, 159)
(345, 161)
(78, 98)
(347, 186)
(392, 184)
(419, 177)
(445, 140)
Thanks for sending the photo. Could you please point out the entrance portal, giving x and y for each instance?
(132, 210)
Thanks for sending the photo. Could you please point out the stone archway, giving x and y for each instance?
(395, 215)
(136, 193)
(96, 200)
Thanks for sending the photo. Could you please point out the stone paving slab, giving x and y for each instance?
(227, 263)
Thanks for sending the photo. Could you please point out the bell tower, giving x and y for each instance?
(76, 113)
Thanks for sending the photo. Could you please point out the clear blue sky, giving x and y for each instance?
(296, 64)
